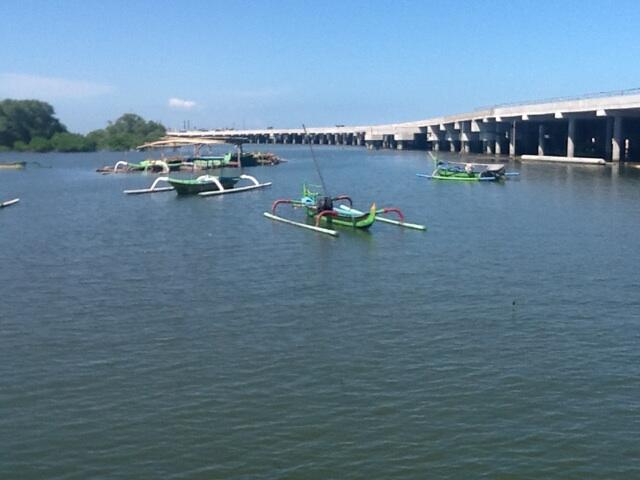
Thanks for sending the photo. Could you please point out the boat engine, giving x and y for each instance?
(324, 203)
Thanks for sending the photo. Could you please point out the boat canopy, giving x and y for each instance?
(175, 142)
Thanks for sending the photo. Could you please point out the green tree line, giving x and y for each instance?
(31, 125)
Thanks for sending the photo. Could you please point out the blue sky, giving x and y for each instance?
(283, 63)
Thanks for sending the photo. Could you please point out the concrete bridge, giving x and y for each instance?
(600, 126)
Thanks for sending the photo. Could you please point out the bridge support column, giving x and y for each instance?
(435, 146)
(512, 139)
(489, 146)
(571, 135)
(541, 140)
(452, 146)
(616, 140)
(608, 138)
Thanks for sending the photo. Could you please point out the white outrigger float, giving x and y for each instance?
(204, 185)
(8, 203)
(153, 166)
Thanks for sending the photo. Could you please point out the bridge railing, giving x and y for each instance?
(586, 96)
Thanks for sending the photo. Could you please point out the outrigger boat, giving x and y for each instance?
(467, 171)
(486, 172)
(332, 211)
(204, 185)
(8, 203)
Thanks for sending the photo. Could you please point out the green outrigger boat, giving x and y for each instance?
(321, 208)
(328, 212)
(204, 183)
(467, 172)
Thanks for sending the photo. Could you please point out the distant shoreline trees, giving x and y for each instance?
(30, 126)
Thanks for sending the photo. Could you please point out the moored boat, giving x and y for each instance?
(468, 171)
(204, 183)
(337, 211)
(323, 209)
(12, 165)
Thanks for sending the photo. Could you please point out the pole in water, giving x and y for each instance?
(315, 162)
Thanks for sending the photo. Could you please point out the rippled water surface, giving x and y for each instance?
(163, 337)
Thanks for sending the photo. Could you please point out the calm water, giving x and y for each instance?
(164, 337)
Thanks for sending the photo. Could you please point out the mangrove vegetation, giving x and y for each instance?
(31, 125)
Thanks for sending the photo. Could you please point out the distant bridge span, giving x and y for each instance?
(605, 125)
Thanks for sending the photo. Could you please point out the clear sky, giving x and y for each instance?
(282, 63)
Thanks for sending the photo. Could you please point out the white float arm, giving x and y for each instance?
(121, 162)
(249, 177)
(158, 180)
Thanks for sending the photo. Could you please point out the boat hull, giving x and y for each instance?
(206, 163)
(193, 187)
(444, 174)
(468, 172)
(362, 221)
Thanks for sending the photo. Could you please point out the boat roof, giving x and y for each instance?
(174, 142)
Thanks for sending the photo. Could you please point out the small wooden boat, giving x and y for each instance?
(204, 185)
(8, 203)
(325, 213)
(466, 172)
(13, 165)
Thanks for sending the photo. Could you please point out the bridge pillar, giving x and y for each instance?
(435, 146)
(512, 139)
(608, 138)
(452, 146)
(616, 140)
(489, 146)
(571, 135)
(541, 139)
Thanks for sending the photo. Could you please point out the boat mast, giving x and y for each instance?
(315, 162)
